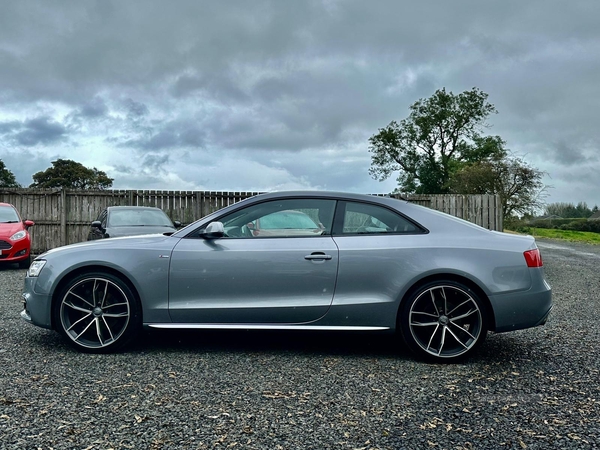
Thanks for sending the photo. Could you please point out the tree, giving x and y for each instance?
(519, 185)
(71, 175)
(7, 178)
(440, 135)
(569, 210)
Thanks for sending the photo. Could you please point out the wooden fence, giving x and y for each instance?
(63, 216)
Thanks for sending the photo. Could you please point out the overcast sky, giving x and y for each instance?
(284, 94)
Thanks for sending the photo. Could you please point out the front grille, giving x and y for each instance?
(5, 245)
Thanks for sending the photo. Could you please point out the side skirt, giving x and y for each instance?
(195, 326)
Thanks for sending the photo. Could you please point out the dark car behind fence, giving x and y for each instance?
(63, 216)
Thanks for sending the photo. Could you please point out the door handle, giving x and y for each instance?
(318, 256)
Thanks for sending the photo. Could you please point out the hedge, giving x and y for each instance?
(592, 225)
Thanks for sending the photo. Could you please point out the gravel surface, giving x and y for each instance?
(537, 388)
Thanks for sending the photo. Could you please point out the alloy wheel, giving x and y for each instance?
(445, 321)
(95, 312)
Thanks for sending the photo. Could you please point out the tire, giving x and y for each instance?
(443, 321)
(97, 313)
(25, 263)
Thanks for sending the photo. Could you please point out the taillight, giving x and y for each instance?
(533, 258)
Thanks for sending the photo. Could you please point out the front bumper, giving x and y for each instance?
(19, 251)
(37, 308)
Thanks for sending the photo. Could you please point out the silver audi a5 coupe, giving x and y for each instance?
(298, 261)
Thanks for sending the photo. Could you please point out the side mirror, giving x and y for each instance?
(177, 223)
(214, 230)
(97, 224)
(28, 223)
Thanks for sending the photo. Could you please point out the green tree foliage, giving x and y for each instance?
(7, 178)
(71, 175)
(439, 148)
(519, 185)
(569, 210)
(440, 135)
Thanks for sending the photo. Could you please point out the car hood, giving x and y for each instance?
(8, 229)
(138, 230)
(127, 242)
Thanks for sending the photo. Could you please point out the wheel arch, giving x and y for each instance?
(66, 278)
(491, 319)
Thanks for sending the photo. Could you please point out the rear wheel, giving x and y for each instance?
(97, 312)
(443, 321)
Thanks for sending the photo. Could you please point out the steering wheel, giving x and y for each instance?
(245, 231)
(234, 232)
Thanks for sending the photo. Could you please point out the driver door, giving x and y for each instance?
(277, 263)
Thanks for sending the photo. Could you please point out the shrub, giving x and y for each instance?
(554, 223)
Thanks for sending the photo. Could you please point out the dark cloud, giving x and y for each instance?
(291, 88)
(221, 87)
(135, 109)
(156, 162)
(31, 132)
(162, 136)
(93, 109)
(569, 153)
(90, 112)
(9, 127)
(123, 169)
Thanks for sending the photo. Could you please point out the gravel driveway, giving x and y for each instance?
(537, 388)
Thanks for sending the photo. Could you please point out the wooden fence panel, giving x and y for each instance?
(64, 216)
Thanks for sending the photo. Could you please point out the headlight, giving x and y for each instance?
(18, 235)
(36, 267)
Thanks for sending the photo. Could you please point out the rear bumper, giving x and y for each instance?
(519, 310)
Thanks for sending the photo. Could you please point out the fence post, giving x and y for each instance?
(63, 216)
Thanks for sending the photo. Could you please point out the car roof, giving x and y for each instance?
(326, 194)
(6, 204)
(133, 207)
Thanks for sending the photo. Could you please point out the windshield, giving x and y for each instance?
(138, 218)
(8, 214)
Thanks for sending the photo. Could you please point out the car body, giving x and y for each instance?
(119, 221)
(378, 264)
(15, 240)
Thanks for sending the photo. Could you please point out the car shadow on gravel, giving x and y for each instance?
(273, 342)
(9, 267)
(496, 348)
(500, 348)
(243, 342)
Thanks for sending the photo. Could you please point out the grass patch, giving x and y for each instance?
(566, 235)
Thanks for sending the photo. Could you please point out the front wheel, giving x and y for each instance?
(97, 312)
(443, 321)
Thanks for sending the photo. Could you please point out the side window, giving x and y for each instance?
(365, 218)
(281, 218)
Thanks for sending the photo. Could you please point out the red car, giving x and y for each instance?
(15, 241)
